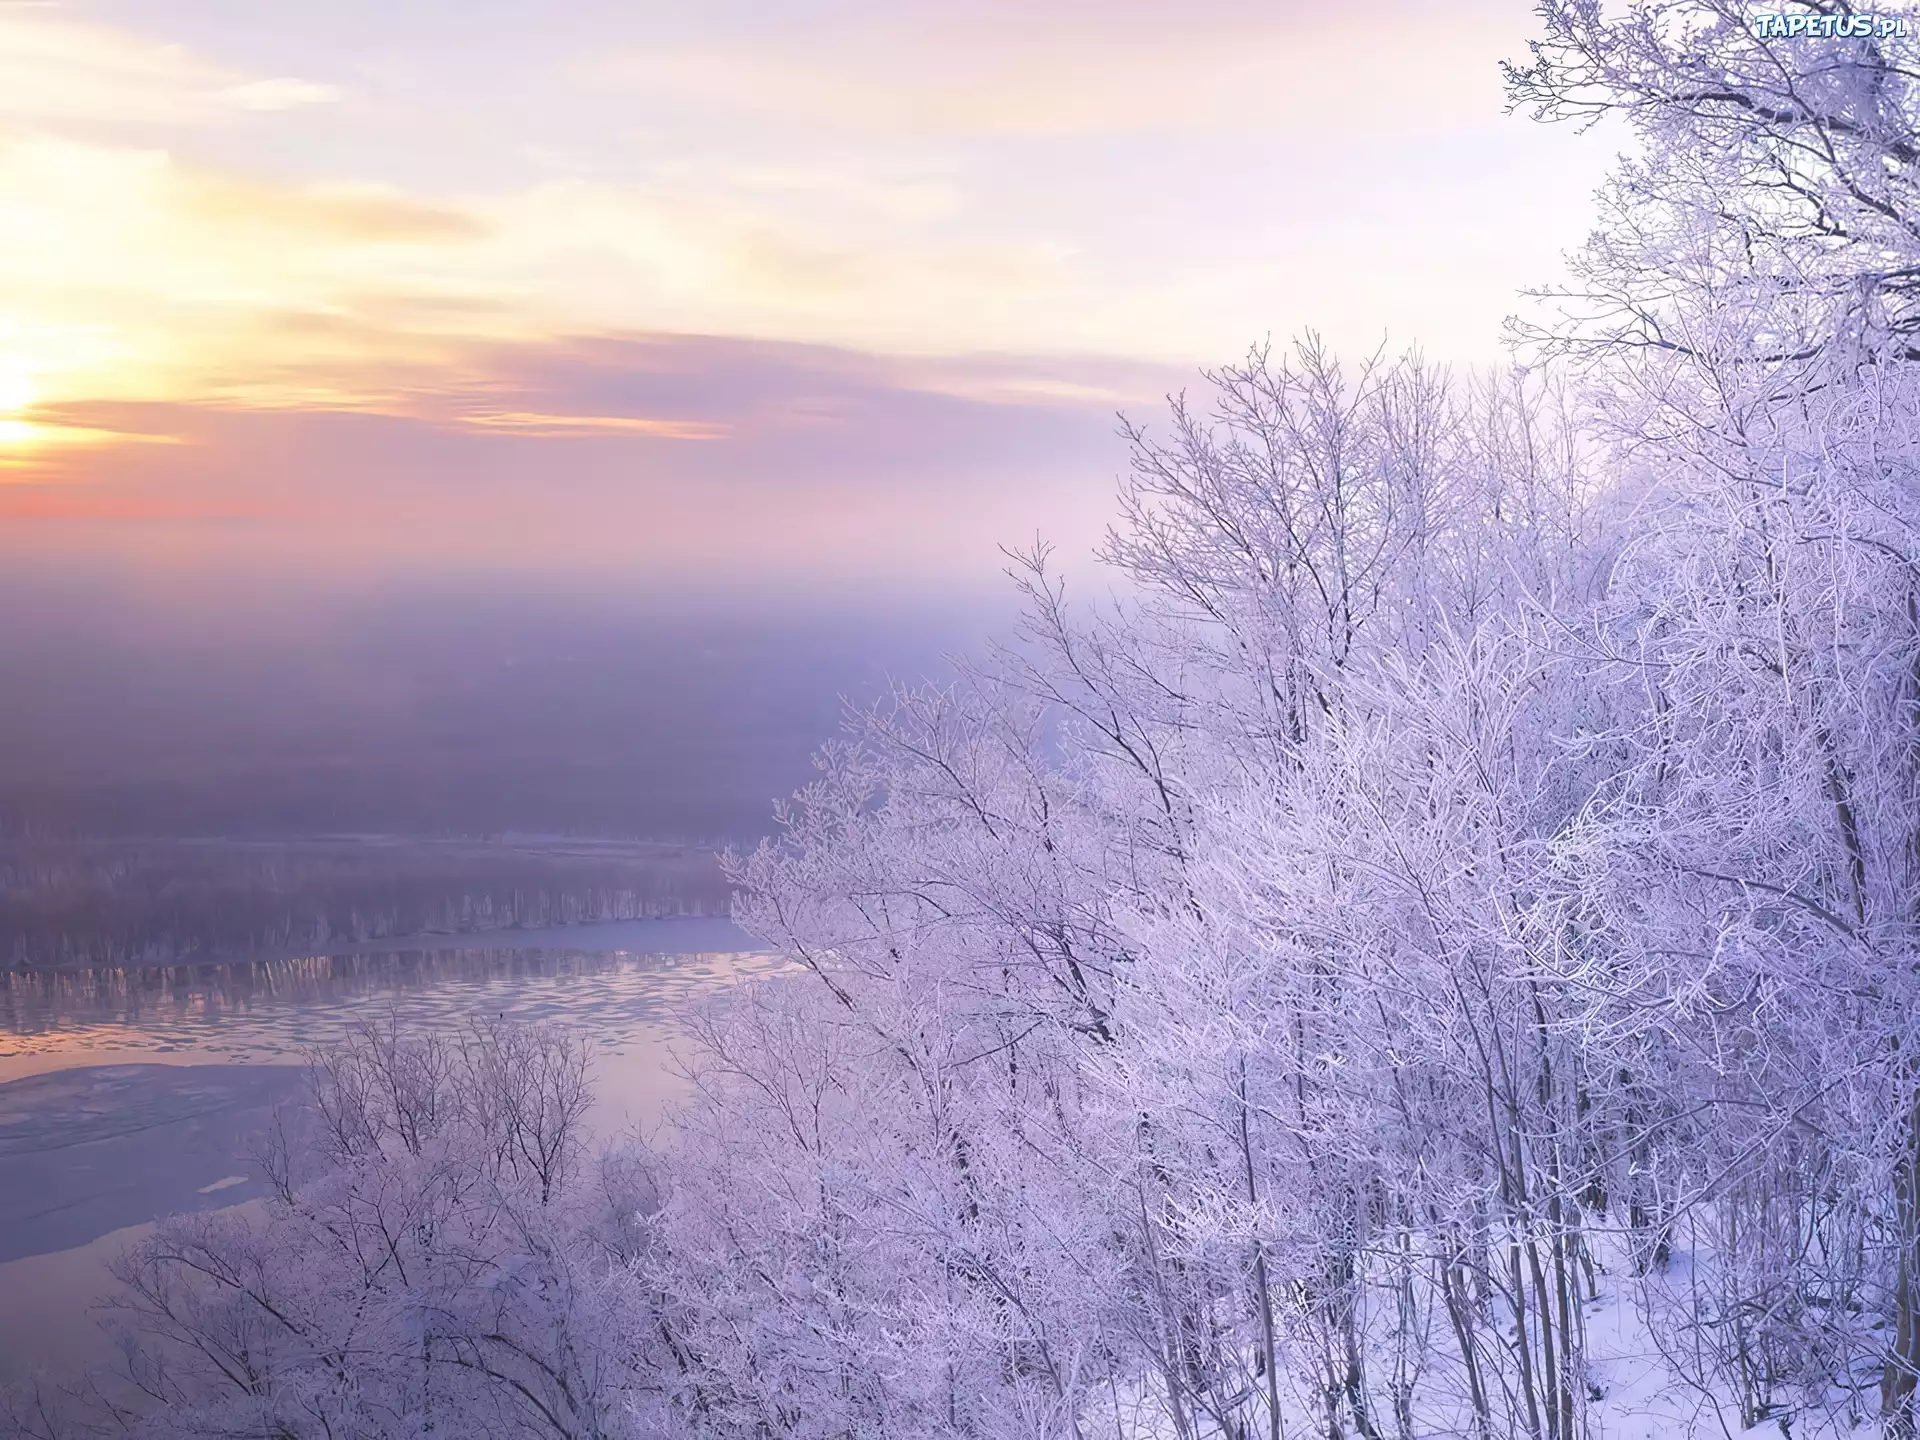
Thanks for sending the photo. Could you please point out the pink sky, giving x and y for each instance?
(828, 289)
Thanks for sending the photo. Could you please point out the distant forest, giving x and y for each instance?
(102, 902)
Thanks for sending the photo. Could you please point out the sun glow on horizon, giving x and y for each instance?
(16, 394)
(16, 389)
(23, 437)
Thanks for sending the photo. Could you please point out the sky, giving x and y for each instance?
(619, 282)
(314, 315)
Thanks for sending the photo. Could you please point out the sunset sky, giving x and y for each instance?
(824, 288)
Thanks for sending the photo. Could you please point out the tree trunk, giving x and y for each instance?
(1897, 1380)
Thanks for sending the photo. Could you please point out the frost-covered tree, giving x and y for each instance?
(438, 1257)
(1100, 1054)
(1478, 853)
(1746, 316)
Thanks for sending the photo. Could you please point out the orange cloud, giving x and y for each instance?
(346, 215)
(679, 455)
(524, 422)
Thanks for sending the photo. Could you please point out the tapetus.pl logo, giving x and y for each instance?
(1829, 27)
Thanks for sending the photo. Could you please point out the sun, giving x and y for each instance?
(16, 394)
(16, 390)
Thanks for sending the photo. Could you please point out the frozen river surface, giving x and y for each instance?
(126, 1095)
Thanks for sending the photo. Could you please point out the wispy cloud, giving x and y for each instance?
(281, 94)
(54, 68)
(128, 273)
(992, 69)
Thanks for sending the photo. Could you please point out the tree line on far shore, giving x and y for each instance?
(77, 902)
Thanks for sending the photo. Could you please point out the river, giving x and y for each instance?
(127, 1095)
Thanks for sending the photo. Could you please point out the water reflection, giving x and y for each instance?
(268, 1010)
